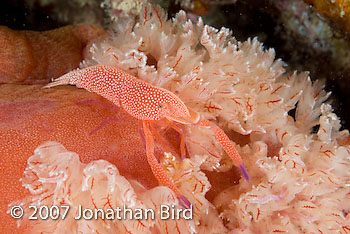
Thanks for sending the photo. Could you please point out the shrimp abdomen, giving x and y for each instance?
(106, 81)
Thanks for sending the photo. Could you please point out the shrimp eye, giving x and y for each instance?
(160, 106)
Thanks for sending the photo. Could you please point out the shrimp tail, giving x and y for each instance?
(69, 78)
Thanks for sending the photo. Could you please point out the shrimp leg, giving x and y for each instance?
(178, 130)
(182, 141)
(157, 170)
(160, 139)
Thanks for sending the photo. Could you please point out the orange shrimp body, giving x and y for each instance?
(140, 99)
(146, 103)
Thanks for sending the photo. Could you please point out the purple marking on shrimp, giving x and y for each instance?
(184, 202)
(244, 171)
(107, 120)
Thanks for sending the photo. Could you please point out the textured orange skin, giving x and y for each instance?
(28, 57)
(34, 115)
(54, 115)
(36, 57)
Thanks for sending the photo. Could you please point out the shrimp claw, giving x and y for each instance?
(157, 170)
(227, 145)
(184, 202)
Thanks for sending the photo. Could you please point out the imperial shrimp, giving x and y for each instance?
(148, 104)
